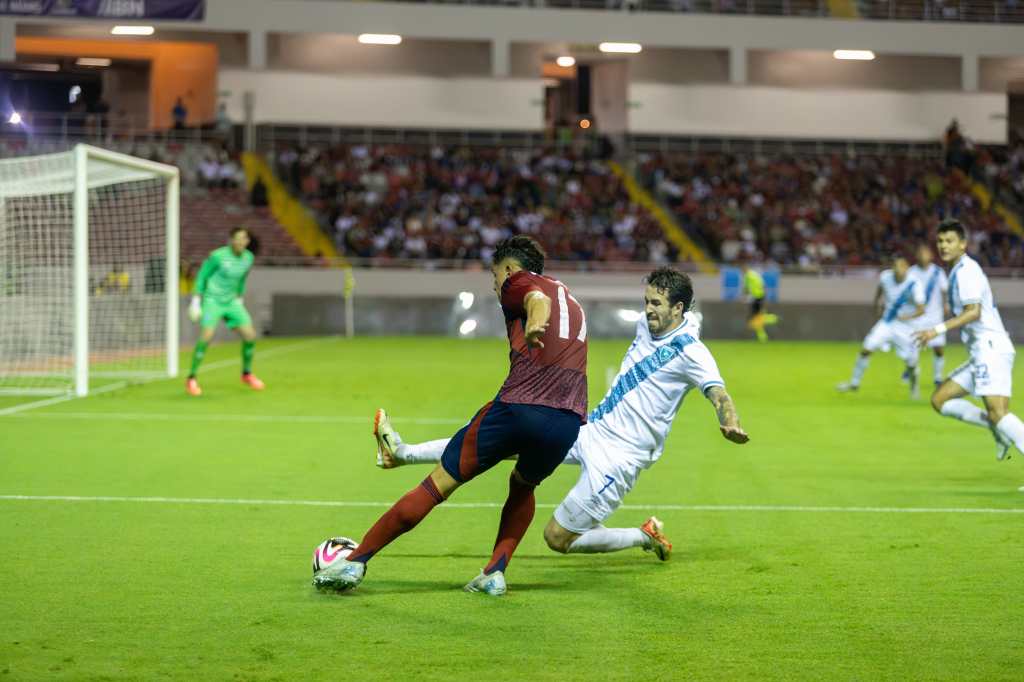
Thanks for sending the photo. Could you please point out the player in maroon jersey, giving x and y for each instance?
(537, 414)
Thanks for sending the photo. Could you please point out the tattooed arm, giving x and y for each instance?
(728, 420)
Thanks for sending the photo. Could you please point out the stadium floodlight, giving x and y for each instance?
(88, 271)
(93, 61)
(467, 327)
(32, 66)
(566, 61)
(625, 48)
(379, 39)
(856, 55)
(133, 31)
(15, 118)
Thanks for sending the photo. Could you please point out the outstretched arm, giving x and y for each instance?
(728, 420)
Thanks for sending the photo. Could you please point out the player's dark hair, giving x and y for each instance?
(675, 284)
(522, 249)
(953, 225)
(235, 230)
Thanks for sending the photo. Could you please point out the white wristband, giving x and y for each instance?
(940, 328)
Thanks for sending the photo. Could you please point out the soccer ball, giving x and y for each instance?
(331, 550)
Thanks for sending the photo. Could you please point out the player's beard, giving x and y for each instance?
(654, 324)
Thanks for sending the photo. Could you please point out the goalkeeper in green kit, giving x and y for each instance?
(218, 295)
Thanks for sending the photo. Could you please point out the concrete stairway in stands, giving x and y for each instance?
(207, 217)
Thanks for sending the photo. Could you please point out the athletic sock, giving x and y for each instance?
(1012, 428)
(417, 453)
(197, 356)
(248, 350)
(939, 367)
(859, 368)
(965, 411)
(515, 519)
(601, 540)
(401, 518)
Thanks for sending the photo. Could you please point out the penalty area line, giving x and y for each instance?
(495, 505)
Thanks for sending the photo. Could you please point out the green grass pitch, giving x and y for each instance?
(182, 589)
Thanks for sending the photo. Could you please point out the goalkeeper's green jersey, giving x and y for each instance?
(754, 284)
(222, 277)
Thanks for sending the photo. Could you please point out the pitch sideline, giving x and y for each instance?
(495, 505)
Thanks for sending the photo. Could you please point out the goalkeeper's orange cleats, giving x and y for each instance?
(192, 386)
(253, 382)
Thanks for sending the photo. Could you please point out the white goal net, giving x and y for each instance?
(88, 271)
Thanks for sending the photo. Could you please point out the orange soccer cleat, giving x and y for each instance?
(660, 545)
(253, 382)
(192, 386)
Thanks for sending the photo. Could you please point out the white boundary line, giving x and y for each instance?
(298, 419)
(6, 412)
(497, 505)
(220, 364)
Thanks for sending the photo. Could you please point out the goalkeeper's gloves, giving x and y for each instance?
(195, 309)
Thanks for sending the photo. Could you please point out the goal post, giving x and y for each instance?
(88, 270)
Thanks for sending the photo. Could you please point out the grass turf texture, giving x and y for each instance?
(130, 590)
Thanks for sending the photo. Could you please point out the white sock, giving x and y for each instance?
(1012, 428)
(859, 368)
(418, 453)
(600, 540)
(939, 367)
(965, 411)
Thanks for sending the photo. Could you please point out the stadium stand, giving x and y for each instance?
(208, 208)
(796, 210)
(449, 203)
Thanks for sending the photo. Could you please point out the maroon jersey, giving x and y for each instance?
(555, 375)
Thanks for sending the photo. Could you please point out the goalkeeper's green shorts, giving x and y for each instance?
(234, 314)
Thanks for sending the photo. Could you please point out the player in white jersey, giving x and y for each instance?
(934, 283)
(903, 304)
(626, 432)
(988, 374)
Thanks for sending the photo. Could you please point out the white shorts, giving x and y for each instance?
(608, 470)
(885, 336)
(985, 374)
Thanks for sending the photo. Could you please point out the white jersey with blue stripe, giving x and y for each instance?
(934, 284)
(968, 284)
(901, 298)
(655, 376)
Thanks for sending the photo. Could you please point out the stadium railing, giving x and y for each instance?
(640, 267)
(269, 137)
(100, 128)
(976, 11)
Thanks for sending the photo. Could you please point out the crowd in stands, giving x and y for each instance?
(810, 211)
(804, 211)
(417, 202)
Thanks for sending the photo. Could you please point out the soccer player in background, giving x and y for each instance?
(932, 280)
(537, 414)
(753, 286)
(988, 374)
(903, 304)
(626, 433)
(218, 293)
